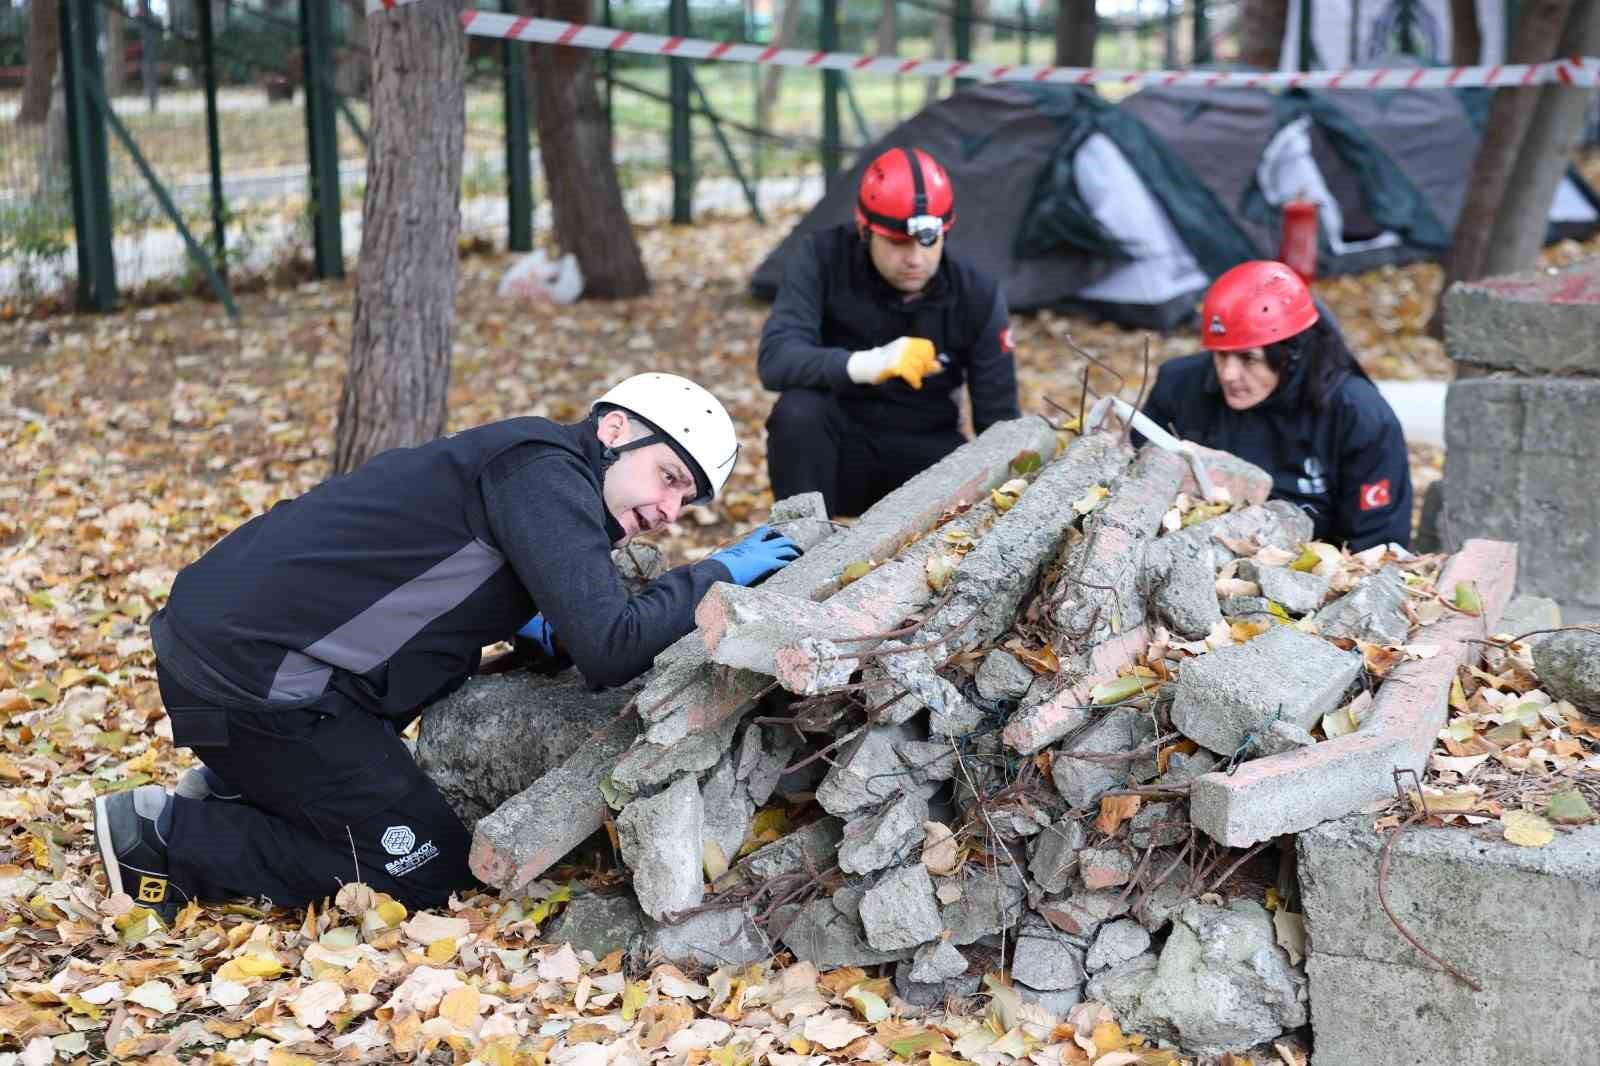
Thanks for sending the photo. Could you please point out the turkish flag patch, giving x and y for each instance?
(1376, 495)
(1006, 344)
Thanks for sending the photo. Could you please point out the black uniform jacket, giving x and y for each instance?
(833, 302)
(386, 583)
(1345, 466)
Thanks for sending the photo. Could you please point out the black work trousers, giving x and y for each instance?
(331, 795)
(814, 445)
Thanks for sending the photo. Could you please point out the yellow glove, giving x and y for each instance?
(908, 358)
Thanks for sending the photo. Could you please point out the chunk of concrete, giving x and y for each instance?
(1265, 798)
(811, 848)
(761, 761)
(991, 900)
(667, 750)
(935, 993)
(1182, 769)
(1280, 737)
(1235, 692)
(601, 924)
(1297, 592)
(875, 841)
(1080, 782)
(660, 839)
(725, 936)
(950, 713)
(1159, 824)
(1104, 867)
(1116, 943)
(1047, 959)
(1536, 322)
(1371, 611)
(868, 772)
(928, 760)
(1039, 724)
(1054, 857)
(1276, 523)
(1002, 676)
(937, 962)
(728, 808)
(1246, 482)
(496, 735)
(900, 911)
(1183, 592)
(817, 933)
(1056, 1003)
(1082, 913)
(1524, 922)
(533, 830)
(1568, 665)
(1527, 613)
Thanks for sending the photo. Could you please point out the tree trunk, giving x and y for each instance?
(354, 60)
(1076, 30)
(116, 49)
(773, 80)
(941, 48)
(405, 313)
(1547, 150)
(54, 184)
(44, 49)
(1466, 36)
(888, 28)
(1538, 32)
(1262, 24)
(579, 169)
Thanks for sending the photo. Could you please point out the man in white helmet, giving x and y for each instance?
(292, 654)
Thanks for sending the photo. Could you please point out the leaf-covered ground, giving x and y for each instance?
(133, 441)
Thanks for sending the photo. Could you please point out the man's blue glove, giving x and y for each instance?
(761, 553)
(539, 631)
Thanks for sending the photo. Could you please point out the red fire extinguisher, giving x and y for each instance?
(1298, 248)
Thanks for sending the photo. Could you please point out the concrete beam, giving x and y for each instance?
(1535, 323)
(1036, 728)
(1287, 793)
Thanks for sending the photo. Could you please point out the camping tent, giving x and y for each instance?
(1129, 210)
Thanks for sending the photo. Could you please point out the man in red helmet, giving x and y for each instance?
(1279, 388)
(873, 331)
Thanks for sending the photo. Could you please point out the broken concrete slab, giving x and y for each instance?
(1280, 737)
(533, 830)
(1287, 793)
(725, 936)
(1568, 665)
(928, 760)
(1515, 919)
(1058, 1003)
(1537, 322)
(1246, 482)
(1116, 943)
(496, 735)
(601, 924)
(1002, 676)
(1297, 592)
(950, 713)
(1034, 728)
(1054, 856)
(1222, 982)
(875, 841)
(1276, 523)
(817, 933)
(660, 840)
(868, 771)
(1236, 692)
(935, 993)
(1184, 592)
(1082, 913)
(1371, 611)
(810, 849)
(728, 809)
(1100, 592)
(1046, 959)
(1527, 613)
(1182, 769)
(1106, 867)
(936, 962)
(990, 900)
(664, 753)
(1159, 824)
(1080, 782)
(900, 911)
(762, 759)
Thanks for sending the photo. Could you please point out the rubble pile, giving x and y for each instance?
(1020, 716)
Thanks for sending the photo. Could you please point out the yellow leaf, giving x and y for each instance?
(1454, 801)
(69, 677)
(1107, 1036)
(1002, 501)
(713, 859)
(1307, 561)
(1467, 599)
(1027, 462)
(939, 568)
(1043, 661)
(460, 1006)
(1243, 632)
(1458, 698)
(1091, 499)
(854, 572)
(633, 997)
(248, 966)
(442, 949)
(1527, 829)
(1204, 511)
(1123, 688)
(868, 1004)
(770, 820)
(392, 912)
(279, 1057)
(937, 1059)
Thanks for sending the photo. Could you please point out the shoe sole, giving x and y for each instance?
(108, 853)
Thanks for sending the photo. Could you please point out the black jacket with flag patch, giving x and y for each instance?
(1346, 466)
(834, 302)
(386, 583)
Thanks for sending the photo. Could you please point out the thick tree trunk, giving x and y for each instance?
(1261, 27)
(772, 81)
(1538, 32)
(1466, 36)
(1547, 150)
(579, 170)
(1076, 31)
(888, 28)
(405, 313)
(54, 184)
(44, 49)
(941, 49)
(116, 24)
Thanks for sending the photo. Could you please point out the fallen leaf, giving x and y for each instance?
(1290, 930)
(939, 568)
(154, 995)
(1467, 598)
(1569, 807)
(713, 859)
(1091, 499)
(1526, 829)
(868, 1004)
(1123, 688)
(832, 1030)
(1228, 587)
(854, 572)
(1114, 810)
(1042, 661)
(1026, 462)
(940, 853)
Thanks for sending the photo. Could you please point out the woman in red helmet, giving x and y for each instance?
(1279, 388)
(873, 330)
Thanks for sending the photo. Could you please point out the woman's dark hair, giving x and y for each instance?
(1321, 357)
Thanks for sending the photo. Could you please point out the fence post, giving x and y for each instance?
(90, 162)
(828, 41)
(1202, 35)
(322, 136)
(961, 34)
(208, 68)
(682, 131)
(519, 171)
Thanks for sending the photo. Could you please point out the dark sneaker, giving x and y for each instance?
(203, 783)
(129, 826)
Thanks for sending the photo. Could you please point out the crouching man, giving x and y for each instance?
(293, 653)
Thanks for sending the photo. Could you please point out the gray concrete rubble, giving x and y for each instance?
(728, 810)
(1297, 592)
(935, 993)
(1539, 323)
(985, 902)
(661, 843)
(1568, 665)
(810, 849)
(1002, 676)
(900, 910)
(1274, 524)
(1237, 692)
(1081, 782)
(1116, 943)
(1526, 613)
(1158, 825)
(950, 713)
(1084, 912)
(1520, 921)
(601, 924)
(819, 934)
(725, 936)
(1371, 611)
(868, 772)
(936, 962)
(1054, 857)
(1184, 592)
(1046, 959)
(875, 841)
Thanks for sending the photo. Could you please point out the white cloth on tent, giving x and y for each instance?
(1287, 171)
(1359, 33)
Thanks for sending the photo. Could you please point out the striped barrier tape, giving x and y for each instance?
(1583, 72)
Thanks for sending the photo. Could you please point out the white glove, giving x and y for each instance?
(908, 358)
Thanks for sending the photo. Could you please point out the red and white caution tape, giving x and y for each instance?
(1581, 71)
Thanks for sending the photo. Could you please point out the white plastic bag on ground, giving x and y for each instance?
(536, 277)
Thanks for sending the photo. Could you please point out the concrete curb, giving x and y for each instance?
(1296, 790)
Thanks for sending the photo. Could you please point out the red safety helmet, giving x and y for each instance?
(906, 195)
(1253, 305)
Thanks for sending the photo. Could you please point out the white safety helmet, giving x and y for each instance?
(685, 416)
